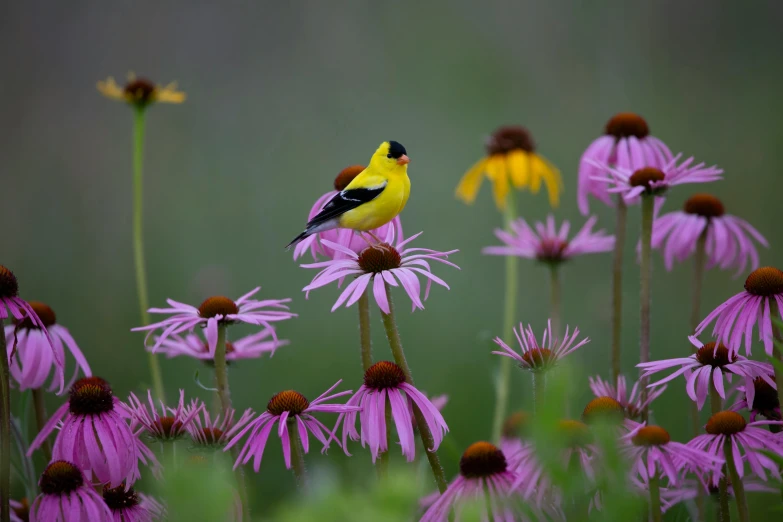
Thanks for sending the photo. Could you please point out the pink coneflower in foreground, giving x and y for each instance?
(37, 350)
(746, 439)
(387, 263)
(652, 453)
(343, 236)
(287, 406)
(249, 347)
(94, 434)
(535, 356)
(627, 144)
(632, 403)
(708, 367)
(762, 400)
(66, 496)
(484, 479)
(631, 184)
(127, 506)
(548, 243)
(384, 380)
(207, 431)
(728, 238)
(168, 424)
(736, 317)
(214, 310)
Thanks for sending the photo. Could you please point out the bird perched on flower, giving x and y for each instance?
(371, 200)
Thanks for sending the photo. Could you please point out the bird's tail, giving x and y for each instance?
(311, 229)
(298, 239)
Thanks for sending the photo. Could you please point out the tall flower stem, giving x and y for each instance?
(645, 297)
(5, 431)
(539, 388)
(777, 339)
(40, 419)
(297, 456)
(617, 285)
(736, 483)
(364, 330)
(509, 312)
(699, 258)
(724, 515)
(655, 498)
(138, 239)
(554, 299)
(393, 335)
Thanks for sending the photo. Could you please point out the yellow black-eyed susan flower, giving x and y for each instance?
(511, 160)
(140, 91)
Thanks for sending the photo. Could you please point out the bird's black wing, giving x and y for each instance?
(344, 201)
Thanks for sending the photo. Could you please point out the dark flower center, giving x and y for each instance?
(765, 281)
(576, 433)
(90, 395)
(508, 138)
(9, 287)
(651, 436)
(44, 313)
(169, 426)
(626, 124)
(217, 305)
(119, 498)
(538, 357)
(383, 374)
(551, 250)
(766, 399)
(725, 423)
(211, 435)
(346, 176)
(705, 205)
(291, 401)
(516, 424)
(23, 511)
(482, 459)
(140, 90)
(377, 258)
(60, 477)
(709, 356)
(603, 408)
(645, 177)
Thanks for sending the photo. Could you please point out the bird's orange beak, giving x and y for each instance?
(403, 160)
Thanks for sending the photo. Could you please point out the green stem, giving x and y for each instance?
(509, 313)
(777, 339)
(138, 240)
(554, 299)
(297, 456)
(5, 431)
(383, 458)
(617, 286)
(40, 419)
(393, 335)
(655, 498)
(364, 330)
(699, 258)
(221, 370)
(736, 483)
(539, 388)
(645, 297)
(724, 515)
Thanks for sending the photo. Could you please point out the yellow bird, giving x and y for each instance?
(374, 197)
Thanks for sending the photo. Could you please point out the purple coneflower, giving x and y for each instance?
(38, 350)
(548, 244)
(287, 406)
(484, 478)
(761, 400)
(127, 506)
(535, 356)
(167, 425)
(66, 496)
(634, 403)
(385, 263)
(214, 310)
(94, 434)
(248, 347)
(736, 317)
(707, 367)
(146, 455)
(207, 431)
(345, 237)
(384, 380)
(728, 238)
(20, 510)
(627, 144)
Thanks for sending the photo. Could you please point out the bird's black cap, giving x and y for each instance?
(396, 150)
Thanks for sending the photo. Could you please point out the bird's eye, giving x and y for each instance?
(388, 155)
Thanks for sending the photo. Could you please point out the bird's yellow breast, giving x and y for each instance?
(383, 208)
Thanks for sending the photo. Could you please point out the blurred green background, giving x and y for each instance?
(281, 96)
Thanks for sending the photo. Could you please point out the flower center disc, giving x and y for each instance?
(725, 423)
(651, 436)
(709, 356)
(383, 374)
(91, 395)
(538, 357)
(212, 435)
(626, 124)
(346, 176)
(140, 90)
(217, 305)
(576, 433)
(291, 401)
(552, 250)
(766, 400)
(705, 205)
(516, 424)
(9, 287)
(482, 459)
(765, 281)
(603, 408)
(169, 426)
(646, 177)
(60, 477)
(119, 498)
(44, 313)
(377, 258)
(508, 138)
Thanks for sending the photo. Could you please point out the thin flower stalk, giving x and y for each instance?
(617, 284)
(646, 282)
(736, 483)
(365, 336)
(221, 370)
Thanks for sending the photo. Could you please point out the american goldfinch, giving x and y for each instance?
(372, 199)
